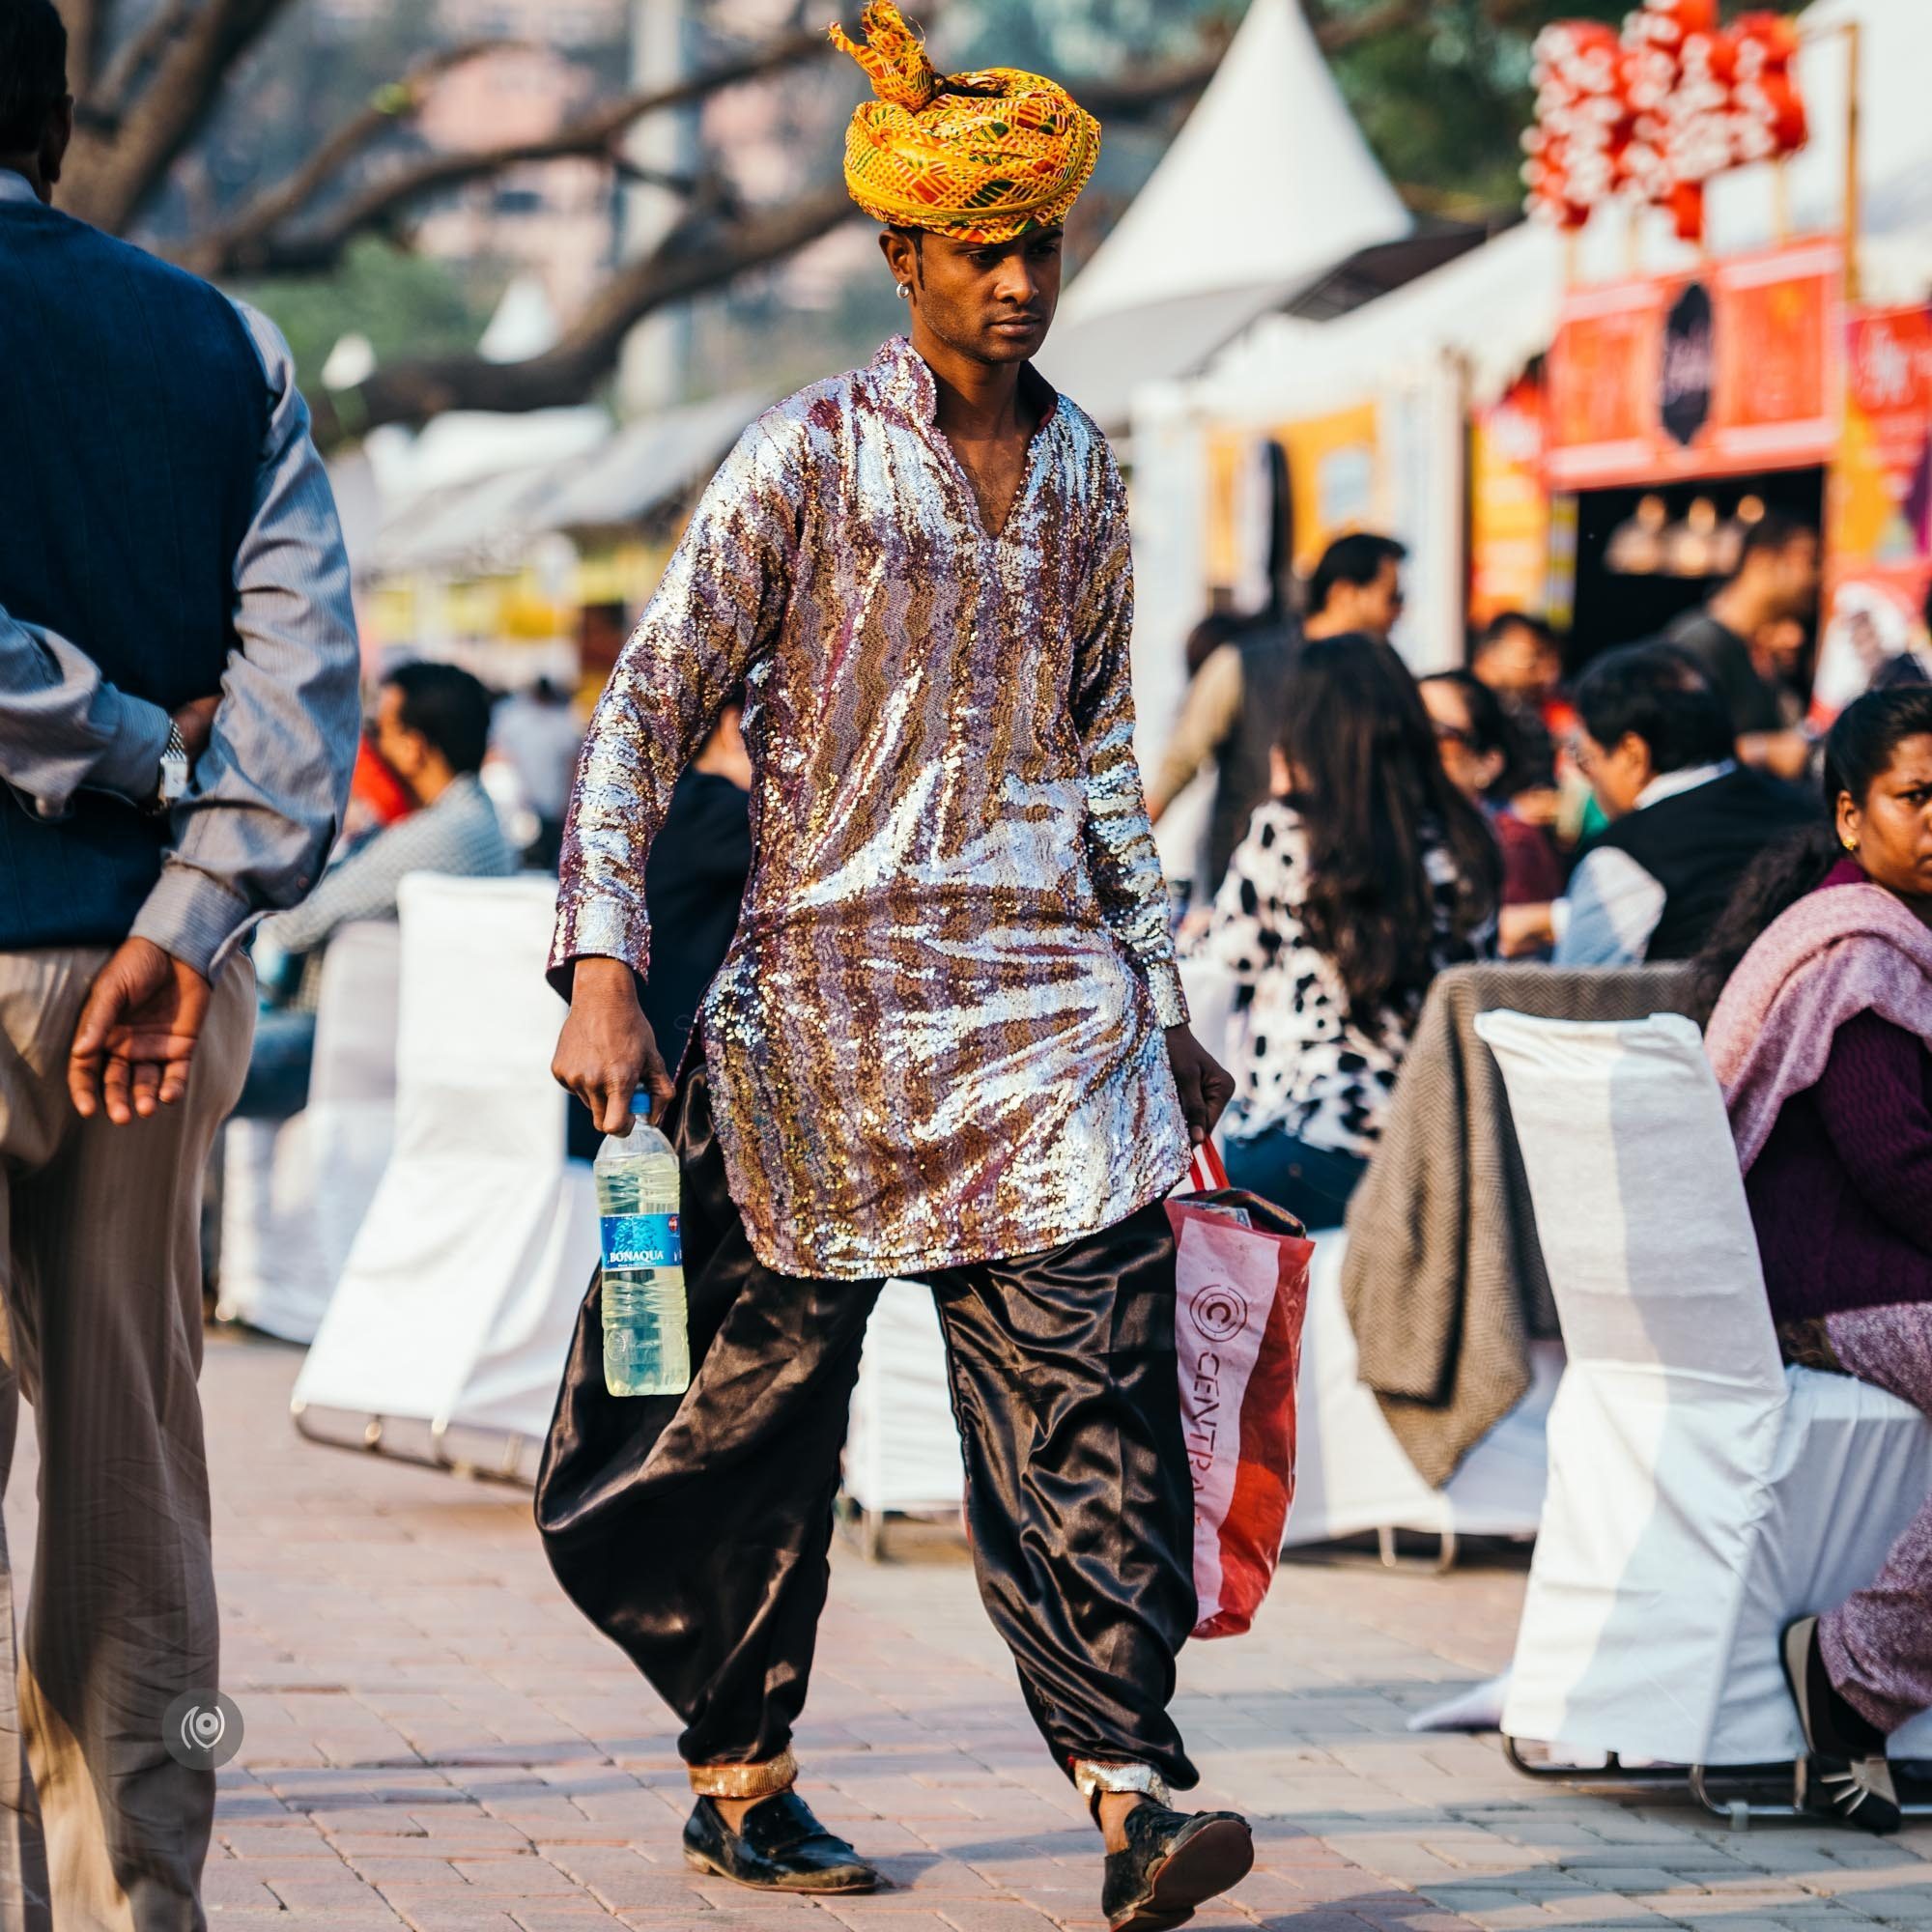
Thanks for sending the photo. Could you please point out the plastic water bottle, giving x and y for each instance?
(647, 1324)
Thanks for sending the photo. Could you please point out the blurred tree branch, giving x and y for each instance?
(1337, 33)
(1135, 95)
(87, 28)
(257, 241)
(695, 258)
(104, 98)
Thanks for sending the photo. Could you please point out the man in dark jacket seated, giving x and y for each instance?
(1658, 747)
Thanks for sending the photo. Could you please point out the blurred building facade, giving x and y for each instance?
(565, 23)
(553, 220)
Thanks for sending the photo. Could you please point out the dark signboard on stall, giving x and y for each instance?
(1690, 379)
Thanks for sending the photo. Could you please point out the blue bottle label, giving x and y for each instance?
(642, 1241)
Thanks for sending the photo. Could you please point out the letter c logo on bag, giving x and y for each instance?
(1219, 1312)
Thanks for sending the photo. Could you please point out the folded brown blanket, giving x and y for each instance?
(1443, 1278)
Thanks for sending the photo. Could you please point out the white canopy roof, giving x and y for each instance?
(489, 520)
(1266, 188)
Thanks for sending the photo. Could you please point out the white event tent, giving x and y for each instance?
(1268, 187)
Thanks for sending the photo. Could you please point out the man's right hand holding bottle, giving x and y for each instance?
(607, 1054)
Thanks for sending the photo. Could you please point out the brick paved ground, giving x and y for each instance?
(436, 1741)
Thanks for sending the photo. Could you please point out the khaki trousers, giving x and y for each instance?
(100, 1830)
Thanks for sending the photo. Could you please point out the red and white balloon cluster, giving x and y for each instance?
(1658, 110)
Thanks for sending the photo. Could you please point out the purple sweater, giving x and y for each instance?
(1841, 1195)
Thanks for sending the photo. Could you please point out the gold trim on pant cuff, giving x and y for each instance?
(1094, 1781)
(745, 1780)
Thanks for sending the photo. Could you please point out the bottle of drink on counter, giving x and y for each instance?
(647, 1327)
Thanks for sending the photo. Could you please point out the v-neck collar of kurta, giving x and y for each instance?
(908, 384)
(909, 381)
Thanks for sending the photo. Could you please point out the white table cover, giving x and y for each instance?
(902, 1454)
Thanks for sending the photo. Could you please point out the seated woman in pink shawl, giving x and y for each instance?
(1820, 1041)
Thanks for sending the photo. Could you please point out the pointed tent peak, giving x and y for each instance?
(1269, 182)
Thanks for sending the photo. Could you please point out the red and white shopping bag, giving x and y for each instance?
(1241, 1276)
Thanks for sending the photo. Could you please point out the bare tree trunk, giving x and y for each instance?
(88, 25)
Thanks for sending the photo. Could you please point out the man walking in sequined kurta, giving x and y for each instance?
(948, 1043)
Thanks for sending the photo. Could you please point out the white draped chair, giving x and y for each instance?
(1701, 1495)
(293, 1192)
(460, 1294)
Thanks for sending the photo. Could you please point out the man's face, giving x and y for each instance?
(1378, 605)
(1519, 665)
(403, 750)
(994, 303)
(1794, 578)
(1619, 775)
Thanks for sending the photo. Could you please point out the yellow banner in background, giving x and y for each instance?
(1509, 507)
(1335, 472)
(1336, 481)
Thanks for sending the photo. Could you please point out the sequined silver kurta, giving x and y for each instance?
(938, 1038)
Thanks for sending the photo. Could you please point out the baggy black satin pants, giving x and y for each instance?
(695, 1531)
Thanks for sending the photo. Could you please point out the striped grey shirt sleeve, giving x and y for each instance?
(457, 835)
(63, 726)
(270, 790)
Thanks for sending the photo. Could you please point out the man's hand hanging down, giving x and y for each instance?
(137, 1035)
(1206, 1084)
(608, 1053)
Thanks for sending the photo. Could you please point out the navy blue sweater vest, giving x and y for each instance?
(132, 413)
(1698, 844)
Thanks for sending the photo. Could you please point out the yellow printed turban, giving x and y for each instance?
(979, 157)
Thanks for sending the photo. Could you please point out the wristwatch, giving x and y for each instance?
(175, 773)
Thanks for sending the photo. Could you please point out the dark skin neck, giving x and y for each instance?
(983, 417)
(28, 165)
(41, 166)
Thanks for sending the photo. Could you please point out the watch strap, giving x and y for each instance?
(175, 769)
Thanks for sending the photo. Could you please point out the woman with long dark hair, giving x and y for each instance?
(1821, 973)
(1349, 895)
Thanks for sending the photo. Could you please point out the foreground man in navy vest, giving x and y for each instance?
(949, 1043)
(178, 714)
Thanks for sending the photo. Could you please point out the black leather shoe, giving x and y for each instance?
(1845, 1774)
(1174, 1862)
(781, 1848)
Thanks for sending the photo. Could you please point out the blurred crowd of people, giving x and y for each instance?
(455, 779)
(1368, 829)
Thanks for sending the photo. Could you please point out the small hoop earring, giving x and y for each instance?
(905, 292)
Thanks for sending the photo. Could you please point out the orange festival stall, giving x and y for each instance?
(1673, 410)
